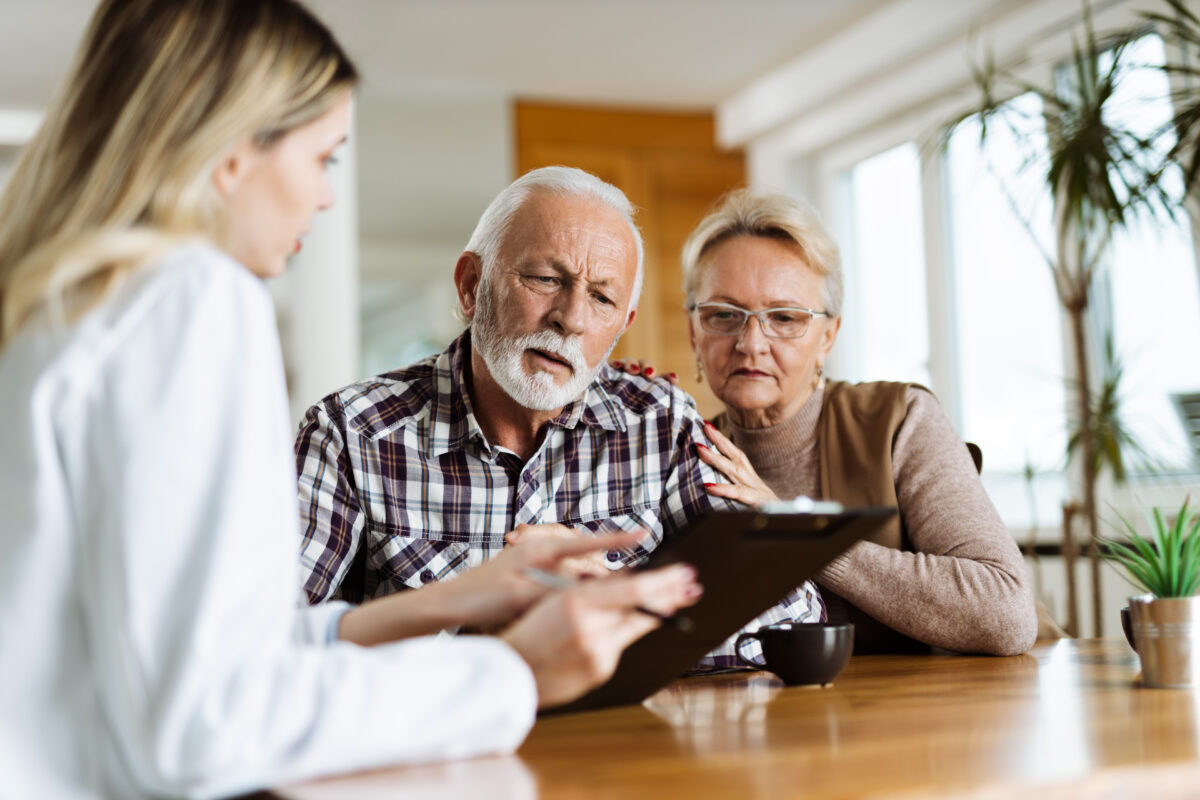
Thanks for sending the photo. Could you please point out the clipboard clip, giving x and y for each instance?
(802, 505)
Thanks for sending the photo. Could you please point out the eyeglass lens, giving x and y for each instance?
(781, 323)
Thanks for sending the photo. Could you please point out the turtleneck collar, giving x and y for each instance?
(777, 450)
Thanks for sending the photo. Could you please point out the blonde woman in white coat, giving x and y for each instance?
(152, 644)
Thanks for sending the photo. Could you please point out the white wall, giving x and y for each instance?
(7, 157)
(317, 297)
(424, 166)
(429, 163)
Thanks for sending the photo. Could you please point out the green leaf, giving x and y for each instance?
(1190, 552)
(1166, 564)
(1135, 565)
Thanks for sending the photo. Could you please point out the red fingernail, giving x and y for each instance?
(633, 369)
(672, 375)
(709, 485)
(701, 446)
(648, 371)
(617, 364)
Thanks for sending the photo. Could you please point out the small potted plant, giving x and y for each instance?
(1165, 621)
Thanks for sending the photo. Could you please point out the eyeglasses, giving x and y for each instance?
(777, 323)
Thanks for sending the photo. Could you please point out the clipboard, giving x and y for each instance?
(747, 561)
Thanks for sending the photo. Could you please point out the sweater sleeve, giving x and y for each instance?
(965, 587)
(210, 679)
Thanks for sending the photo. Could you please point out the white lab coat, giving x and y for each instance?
(151, 641)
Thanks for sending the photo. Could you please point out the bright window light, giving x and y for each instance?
(889, 268)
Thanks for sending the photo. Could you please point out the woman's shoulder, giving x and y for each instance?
(187, 283)
(868, 397)
(874, 394)
(190, 289)
(196, 267)
(188, 298)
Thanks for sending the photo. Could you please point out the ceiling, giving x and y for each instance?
(667, 53)
(433, 130)
(439, 75)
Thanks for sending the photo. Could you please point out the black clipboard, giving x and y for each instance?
(747, 561)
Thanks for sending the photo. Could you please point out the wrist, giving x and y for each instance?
(444, 605)
(411, 613)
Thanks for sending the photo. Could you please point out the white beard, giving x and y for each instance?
(503, 356)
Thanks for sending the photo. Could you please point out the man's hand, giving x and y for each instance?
(495, 593)
(573, 639)
(487, 597)
(590, 565)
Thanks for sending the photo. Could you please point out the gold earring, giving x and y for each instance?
(699, 371)
(820, 377)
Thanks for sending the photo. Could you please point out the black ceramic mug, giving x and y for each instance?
(802, 653)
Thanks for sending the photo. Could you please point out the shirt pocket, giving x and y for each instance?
(410, 562)
(637, 518)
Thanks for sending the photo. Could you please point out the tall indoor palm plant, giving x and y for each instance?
(1101, 174)
(1181, 27)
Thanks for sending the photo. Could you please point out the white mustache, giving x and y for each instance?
(568, 348)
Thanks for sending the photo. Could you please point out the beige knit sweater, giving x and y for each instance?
(965, 587)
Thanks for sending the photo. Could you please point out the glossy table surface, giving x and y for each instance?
(1070, 719)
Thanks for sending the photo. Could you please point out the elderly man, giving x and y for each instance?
(413, 476)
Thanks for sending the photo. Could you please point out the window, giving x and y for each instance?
(1009, 338)
(885, 264)
(404, 323)
(1149, 295)
(999, 343)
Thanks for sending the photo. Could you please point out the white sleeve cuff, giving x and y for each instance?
(319, 624)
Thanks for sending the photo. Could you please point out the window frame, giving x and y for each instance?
(824, 177)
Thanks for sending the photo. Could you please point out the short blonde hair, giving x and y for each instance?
(775, 216)
(159, 92)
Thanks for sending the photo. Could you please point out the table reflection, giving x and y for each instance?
(1069, 720)
(730, 715)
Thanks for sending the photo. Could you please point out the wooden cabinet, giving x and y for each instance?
(669, 167)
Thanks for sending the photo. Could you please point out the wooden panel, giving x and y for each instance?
(622, 129)
(668, 166)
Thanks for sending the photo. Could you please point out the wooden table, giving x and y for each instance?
(1068, 720)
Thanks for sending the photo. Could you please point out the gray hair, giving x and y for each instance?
(564, 181)
(775, 216)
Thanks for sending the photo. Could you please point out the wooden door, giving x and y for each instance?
(668, 166)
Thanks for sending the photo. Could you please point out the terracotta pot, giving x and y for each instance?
(1167, 633)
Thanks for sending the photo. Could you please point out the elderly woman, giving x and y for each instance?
(764, 292)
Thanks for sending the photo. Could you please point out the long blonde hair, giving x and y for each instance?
(121, 167)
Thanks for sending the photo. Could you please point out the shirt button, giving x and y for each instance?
(613, 555)
(426, 576)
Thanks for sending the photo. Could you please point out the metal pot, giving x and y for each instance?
(1167, 632)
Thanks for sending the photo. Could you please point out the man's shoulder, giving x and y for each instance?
(378, 405)
(638, 396)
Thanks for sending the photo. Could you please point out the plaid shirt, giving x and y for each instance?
(399, 486)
